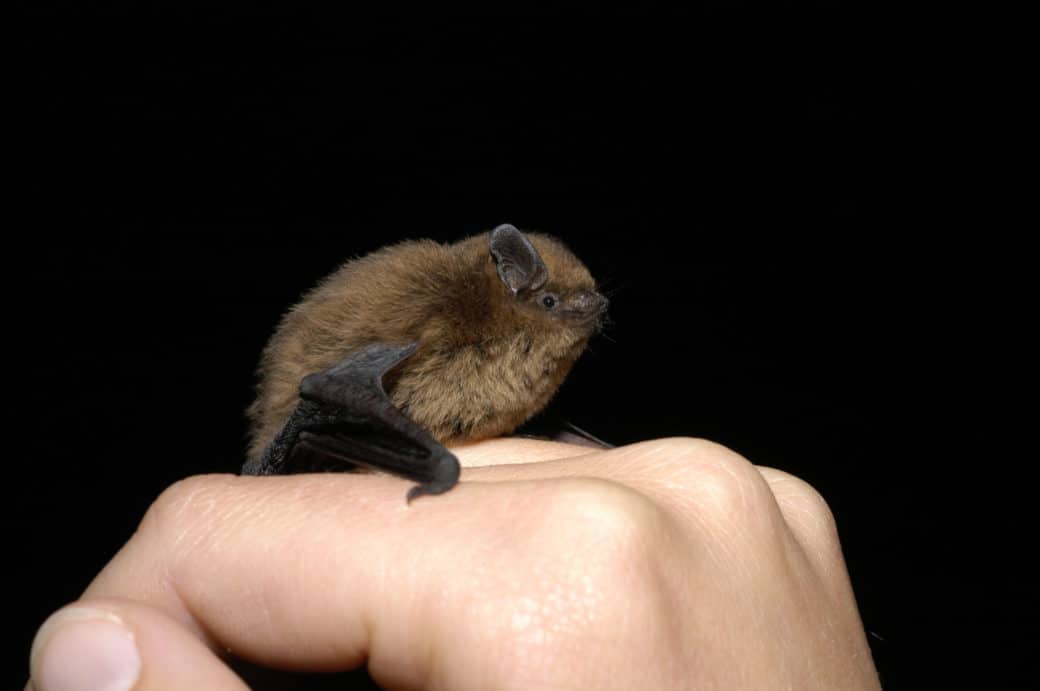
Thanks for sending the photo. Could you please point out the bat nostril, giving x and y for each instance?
(593, 302)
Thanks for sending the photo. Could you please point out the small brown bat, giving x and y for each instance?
(419, 345)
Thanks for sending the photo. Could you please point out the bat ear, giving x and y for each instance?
(519, 265)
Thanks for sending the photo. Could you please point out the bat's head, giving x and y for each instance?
(546, 285)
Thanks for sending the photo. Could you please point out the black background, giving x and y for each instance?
(784, 204)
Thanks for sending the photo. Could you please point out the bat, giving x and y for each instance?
(417, 346)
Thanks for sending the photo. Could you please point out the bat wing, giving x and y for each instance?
(345, 419)
(556, 429)
(572, 434)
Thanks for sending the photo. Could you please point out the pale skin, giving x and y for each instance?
(669, 564)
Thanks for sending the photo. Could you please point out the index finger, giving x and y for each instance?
(325, 571)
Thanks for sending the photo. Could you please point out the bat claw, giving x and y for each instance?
(446, 476)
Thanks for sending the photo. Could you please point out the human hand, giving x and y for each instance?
(667, 564)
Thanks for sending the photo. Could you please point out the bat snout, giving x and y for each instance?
(587, 308)
(590, 302)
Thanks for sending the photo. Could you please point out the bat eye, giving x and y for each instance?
(549, 301)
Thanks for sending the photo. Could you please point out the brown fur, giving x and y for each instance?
(486, 361)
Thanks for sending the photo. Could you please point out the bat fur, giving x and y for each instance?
(488, 357)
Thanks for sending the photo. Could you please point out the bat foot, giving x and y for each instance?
(445, 476)
(345, 419)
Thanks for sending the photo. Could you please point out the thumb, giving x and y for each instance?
(111, 645)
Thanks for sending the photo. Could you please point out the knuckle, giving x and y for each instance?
(722, 481)
(601, 519)
(808, 513)
(809, 499)
(608, 549)
(708, 485)
(731, 491)
(593, 564)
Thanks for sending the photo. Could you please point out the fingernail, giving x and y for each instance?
(84, 649)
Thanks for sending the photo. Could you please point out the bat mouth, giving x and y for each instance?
(584, 318)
